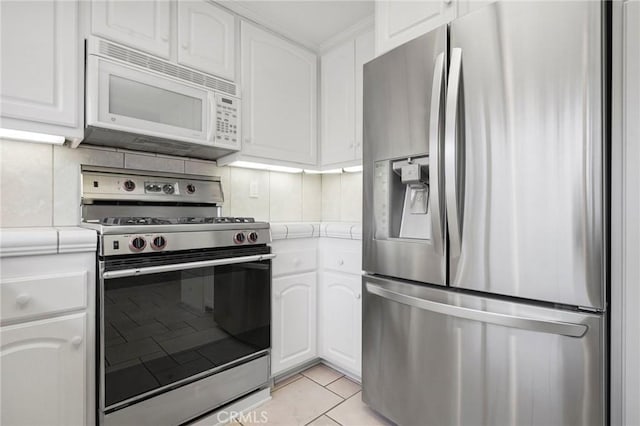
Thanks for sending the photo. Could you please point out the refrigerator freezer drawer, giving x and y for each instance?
(438, 357)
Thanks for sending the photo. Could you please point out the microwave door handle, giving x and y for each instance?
(435, 153)
(213, 117)
(185, 266)
(453, 154)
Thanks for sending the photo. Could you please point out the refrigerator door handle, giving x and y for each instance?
(452, 155)
(435, 154)
(513, 321)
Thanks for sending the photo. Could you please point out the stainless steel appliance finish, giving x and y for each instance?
(526, 79)
(498, 315)
(436, 357)
(195, 398)
(184, 296)
(402, 94)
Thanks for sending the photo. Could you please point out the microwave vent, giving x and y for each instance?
(123, 54)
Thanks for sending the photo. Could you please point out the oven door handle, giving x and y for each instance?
(184, 266)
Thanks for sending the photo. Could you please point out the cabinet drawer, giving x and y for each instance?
(33, 296)
(293, 262)
(342, 261)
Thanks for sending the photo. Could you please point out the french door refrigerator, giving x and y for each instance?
(485, 220)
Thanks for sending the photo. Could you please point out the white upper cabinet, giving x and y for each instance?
(145, 25)
(365, 52)
(341, 100)
(41, 84)
(400, 21)
(206, 38)
(338, 104)
(279, 98)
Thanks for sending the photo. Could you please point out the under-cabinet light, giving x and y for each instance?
(323, 172)
(269, 167)
(353, 169)
(31, 136)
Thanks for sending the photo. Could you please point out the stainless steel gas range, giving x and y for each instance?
(184, 296)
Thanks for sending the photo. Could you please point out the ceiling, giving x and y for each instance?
(309, 22)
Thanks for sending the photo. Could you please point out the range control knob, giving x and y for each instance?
(129, 185)
(168, 189)
(239, 238)
(252, 237)
(191, 188)
(137, 244)
(158, 243)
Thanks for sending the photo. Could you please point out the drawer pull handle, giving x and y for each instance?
(358, 296)
(23, 299)
(76, 341)
(296, 262)
(340, 262)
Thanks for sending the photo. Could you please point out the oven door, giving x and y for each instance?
(168, 320)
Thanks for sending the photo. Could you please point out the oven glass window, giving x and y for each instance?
(163, 328)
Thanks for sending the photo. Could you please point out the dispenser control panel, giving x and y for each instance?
(381, 199)
(227, 120)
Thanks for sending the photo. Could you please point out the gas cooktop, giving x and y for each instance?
(131, 217)
(125, 221)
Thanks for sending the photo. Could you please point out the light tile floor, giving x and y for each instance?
(319, 396)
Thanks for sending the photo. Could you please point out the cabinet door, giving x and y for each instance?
(144, 25)
(342, 320)
(364, 53)
(294, 321)
(468, 6)
(279, 98)
(44, 372)
(400, 21)
(206, 38)
(40, 62)
(338, 104)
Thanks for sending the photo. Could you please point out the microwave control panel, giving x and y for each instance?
(227, 120)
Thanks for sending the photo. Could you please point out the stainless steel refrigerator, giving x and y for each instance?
(485, 220)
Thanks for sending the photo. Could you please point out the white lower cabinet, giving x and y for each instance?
(294, 321)
(294, 303)
(341, 320)
(47, 329)
(44, 372)
(317, 303)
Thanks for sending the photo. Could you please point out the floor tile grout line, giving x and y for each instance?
(317, 382)
(335, 393)
(333, 381)
(325, 413)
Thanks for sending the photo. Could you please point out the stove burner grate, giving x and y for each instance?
(124, 221)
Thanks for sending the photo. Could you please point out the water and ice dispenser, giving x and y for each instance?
(401, 199)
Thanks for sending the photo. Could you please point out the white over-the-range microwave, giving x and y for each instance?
(139, 102)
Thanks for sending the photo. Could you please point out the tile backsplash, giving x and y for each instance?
(40, 186)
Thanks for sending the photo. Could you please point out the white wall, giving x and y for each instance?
(40, 186)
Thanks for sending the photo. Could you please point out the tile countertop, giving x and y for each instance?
(291, 230)
(46, 240)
